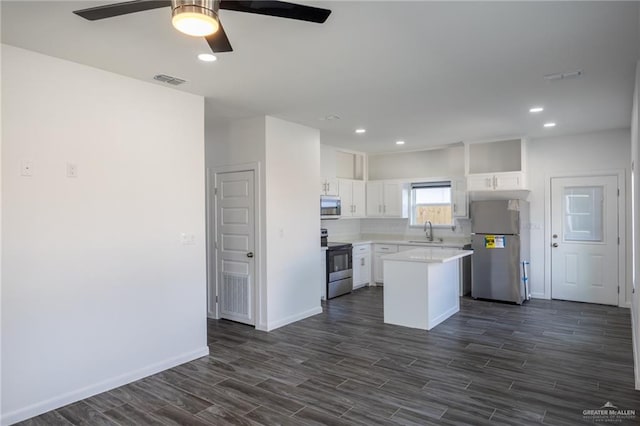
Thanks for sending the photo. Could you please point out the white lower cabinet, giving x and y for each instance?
(380, 250)
(361, 265)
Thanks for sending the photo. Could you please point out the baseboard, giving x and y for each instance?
(444, 316)
(88, 391)
(293, 318)
(538, 296)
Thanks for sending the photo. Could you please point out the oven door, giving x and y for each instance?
(339, 264)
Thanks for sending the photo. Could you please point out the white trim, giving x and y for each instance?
(293, 318)
(212, 278)
(210, 241)
(622, 228)
(96, 388)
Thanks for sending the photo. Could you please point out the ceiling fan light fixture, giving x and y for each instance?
(198, 19)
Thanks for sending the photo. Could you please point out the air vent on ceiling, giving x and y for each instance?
(174, 81)
(563, 75)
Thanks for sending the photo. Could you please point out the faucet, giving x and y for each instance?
(428, 234)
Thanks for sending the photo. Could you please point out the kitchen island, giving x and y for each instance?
(421, 286)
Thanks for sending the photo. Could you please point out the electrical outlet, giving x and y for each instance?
(72, 170)
(27, 168)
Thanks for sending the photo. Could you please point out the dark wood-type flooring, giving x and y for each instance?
(492, 363)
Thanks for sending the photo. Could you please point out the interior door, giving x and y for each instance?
(584, 239)
(235, 237)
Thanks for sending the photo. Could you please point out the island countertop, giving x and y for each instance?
(428, 255)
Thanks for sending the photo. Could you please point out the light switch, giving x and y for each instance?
(27, 168)
(187, 239)
(72, 170)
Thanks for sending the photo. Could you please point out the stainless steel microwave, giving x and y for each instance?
(329, 207)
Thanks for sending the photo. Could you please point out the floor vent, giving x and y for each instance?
(174, 81)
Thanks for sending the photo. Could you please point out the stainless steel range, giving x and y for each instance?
(339, 267)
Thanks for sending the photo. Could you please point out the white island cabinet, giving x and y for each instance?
(421, 286)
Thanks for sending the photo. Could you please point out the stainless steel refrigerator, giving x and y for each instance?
(500, 241)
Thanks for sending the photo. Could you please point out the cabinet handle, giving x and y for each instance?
(455, 208)
(384, 209)
(362, 261)
(495, 182)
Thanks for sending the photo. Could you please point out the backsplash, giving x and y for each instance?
(401, 227)
(395, 227)
(341, 227)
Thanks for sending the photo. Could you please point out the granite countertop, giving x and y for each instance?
(428, 255)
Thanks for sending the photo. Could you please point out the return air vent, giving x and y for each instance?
(563, 75)
(174, 81)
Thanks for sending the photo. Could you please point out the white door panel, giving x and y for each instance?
(235, 230)
(584, 228)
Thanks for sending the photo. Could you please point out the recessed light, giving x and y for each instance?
(550, 124)
(207, 57)
(399, 142)
(361, 130)
(536, 109)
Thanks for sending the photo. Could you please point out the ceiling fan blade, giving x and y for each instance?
(280, 9)
(117, 9)
(219, 42)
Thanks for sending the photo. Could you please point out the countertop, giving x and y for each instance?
(400, 240)
(428, 255)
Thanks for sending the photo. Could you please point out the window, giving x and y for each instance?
(431, 201)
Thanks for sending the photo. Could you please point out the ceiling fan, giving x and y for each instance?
(200, 17)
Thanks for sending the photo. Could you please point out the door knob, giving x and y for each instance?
(250, 254)
(554, 245)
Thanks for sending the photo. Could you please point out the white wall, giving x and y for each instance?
(97, 288)
(293, 222)
(429, 163)
(556, 156)
(289, 158)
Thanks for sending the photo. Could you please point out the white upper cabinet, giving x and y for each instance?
(460, 198)
(496, 166)
(386, 199)
(352, 197)
(329, 186)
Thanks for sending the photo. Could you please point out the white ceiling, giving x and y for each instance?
(430, 73)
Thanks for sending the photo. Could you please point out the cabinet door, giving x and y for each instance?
(509, 181)
(483, 182)
(323, 186)
(460, 199)
(365, 269)
(357, 271)
(333, 187)
(358, 198)
(346, 198)
(374, 199)
(392, 206)
(361, 270)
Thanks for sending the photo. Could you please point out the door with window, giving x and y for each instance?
(235, 240)
(584, 239)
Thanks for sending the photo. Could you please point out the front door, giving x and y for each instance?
(235, 238)
(584, 239)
